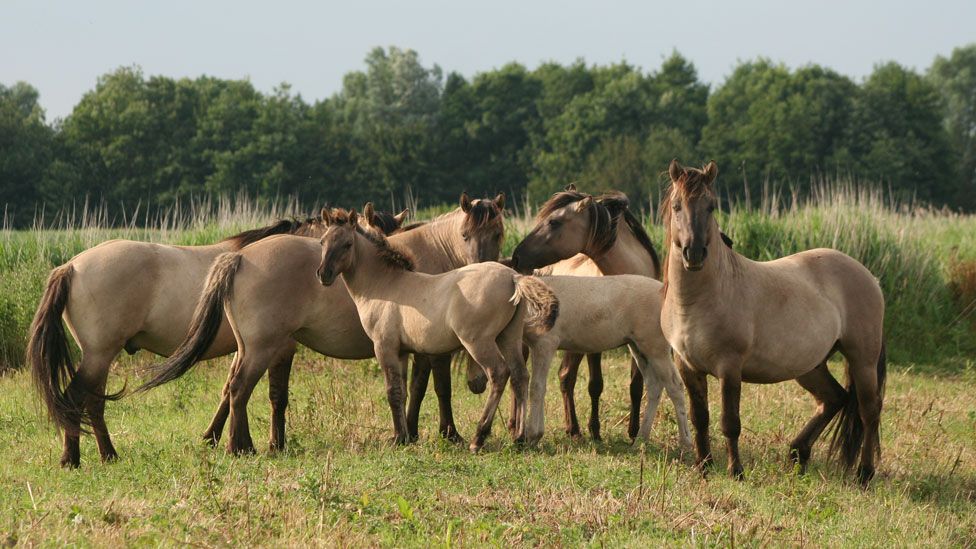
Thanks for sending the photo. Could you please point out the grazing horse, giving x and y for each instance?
(130, 295)
(766, 322)
(272, 298)
(597, 314)
(483, 308)
(582, 235)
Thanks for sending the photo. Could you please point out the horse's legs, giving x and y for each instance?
(830, 397)
(867, 389)
(568, 371)
(490, 357)
(541, 356)
(595, 388)
(394, 366)
(90, 377)
(661, 366)
(654, 386)
(441, 367)
(731, 384)
(278, 376)
(212, 435)
(247, 370)
(96, 413)
(636, 393)
(418, 389)
(697, 386)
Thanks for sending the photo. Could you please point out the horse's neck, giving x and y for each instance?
(436, 246)
(626, 256)
(718, 276)
(369, 277)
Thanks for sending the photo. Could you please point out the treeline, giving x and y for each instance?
(399, 128)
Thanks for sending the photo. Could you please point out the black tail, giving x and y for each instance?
(49, 357)
(207, 318)
(848, 430)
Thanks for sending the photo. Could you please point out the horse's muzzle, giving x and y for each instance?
(326, 276)
(694, 258)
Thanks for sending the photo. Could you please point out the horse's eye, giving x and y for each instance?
(554, 223)
(347, 245)
(711, 208)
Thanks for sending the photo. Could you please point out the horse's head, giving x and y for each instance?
(338, 243)
(570, 223)
(483, 228)
(687, 208)
(383, 222)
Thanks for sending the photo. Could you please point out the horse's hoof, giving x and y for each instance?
(241, 450)
(67, 463)
(864, 475)
(211, 440)
(737, 473)
(451, 435)
(110, 457)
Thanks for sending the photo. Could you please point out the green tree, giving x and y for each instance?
(955, 79)
(896, 136)
(768, 123)
(26, 151)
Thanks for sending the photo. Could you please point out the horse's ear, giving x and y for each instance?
(676, 171)
(402, 216)
(465, 202)
(584, 204)
(500, 201)
(326, 217)
(353, 218)
(571, 188)
(368, 213)
(710, 171)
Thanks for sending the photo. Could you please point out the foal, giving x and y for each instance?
(766, 322)
(481, 308)
(602, 313)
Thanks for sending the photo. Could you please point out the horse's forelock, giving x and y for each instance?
(481, 214)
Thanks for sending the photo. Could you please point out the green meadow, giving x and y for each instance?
(340, 482)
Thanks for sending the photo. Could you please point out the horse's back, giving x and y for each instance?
(276, 294)
(126, 289)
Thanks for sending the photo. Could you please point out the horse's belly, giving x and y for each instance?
(338, 339)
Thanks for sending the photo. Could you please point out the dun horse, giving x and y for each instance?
(271, 297)
(766, 322)
(482, 308)
(127, 295)
(599, 314)
(582, 235)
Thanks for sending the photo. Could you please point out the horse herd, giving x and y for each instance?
(584, 280)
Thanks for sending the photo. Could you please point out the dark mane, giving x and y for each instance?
(283, 226)
(393, 257)
(413, 226)
(385, 222)
(640, 233)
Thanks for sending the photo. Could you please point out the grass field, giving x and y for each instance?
(341, 483)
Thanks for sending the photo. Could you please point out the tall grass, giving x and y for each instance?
(922, 257)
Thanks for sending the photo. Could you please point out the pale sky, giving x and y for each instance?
(62, 47)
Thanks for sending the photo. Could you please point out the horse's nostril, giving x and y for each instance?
(686, 253)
